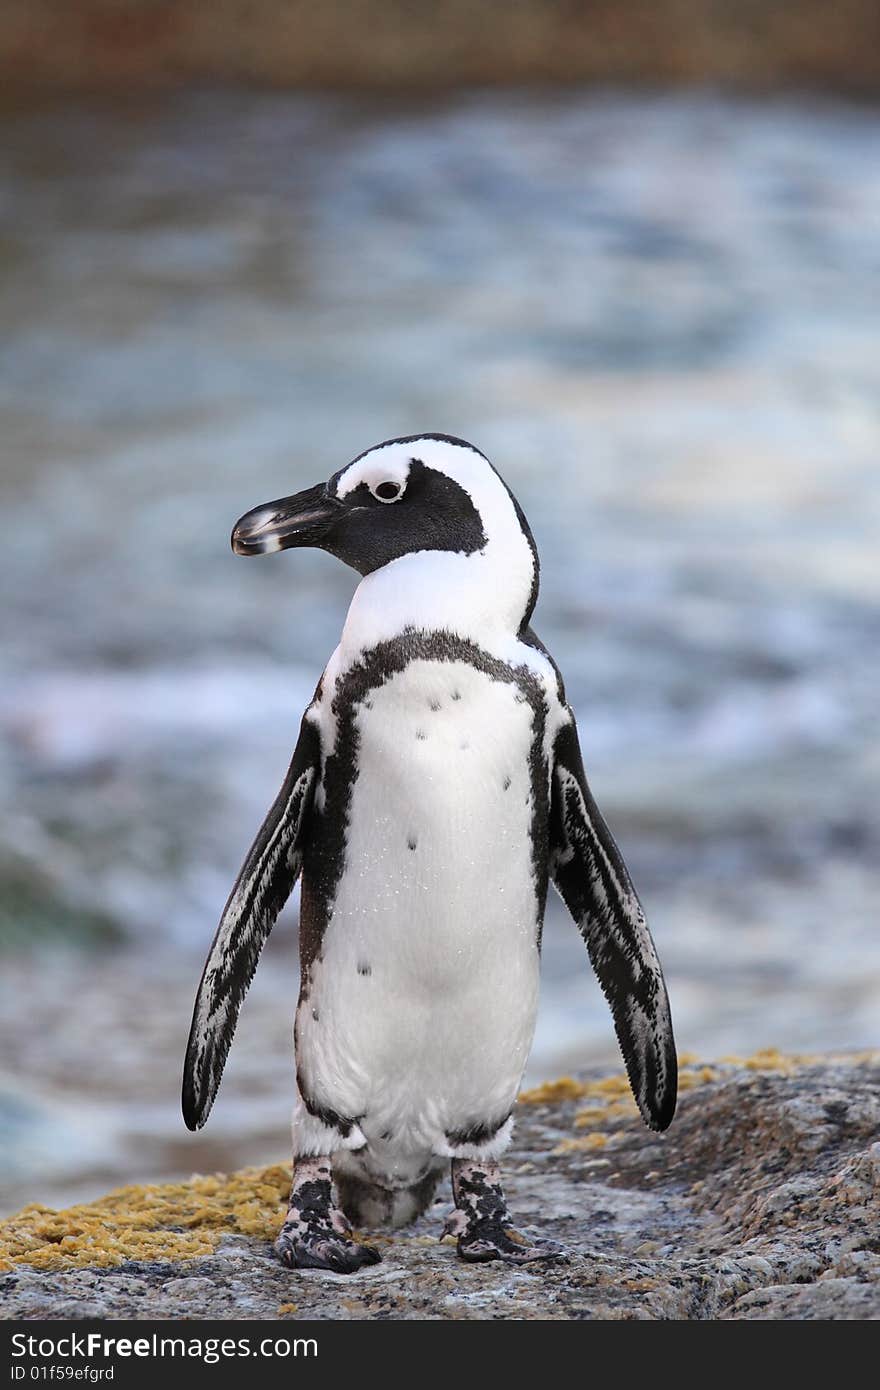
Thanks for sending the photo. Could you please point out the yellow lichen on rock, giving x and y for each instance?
(692, 1073)
(592, 1115)
(565, 1088)
(613, 1095)
(687, 1080)
(177, 1221)
(582, 1145)
(770, 1059)
(609, 1086)
(622, 1107)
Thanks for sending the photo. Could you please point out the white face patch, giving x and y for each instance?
(384, 471)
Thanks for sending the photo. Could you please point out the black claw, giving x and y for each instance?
(368, 1255)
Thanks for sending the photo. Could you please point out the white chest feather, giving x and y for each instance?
(421, 1011)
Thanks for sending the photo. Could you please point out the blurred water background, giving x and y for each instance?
(657, 314)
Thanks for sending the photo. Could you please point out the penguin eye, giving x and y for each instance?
(387, 492)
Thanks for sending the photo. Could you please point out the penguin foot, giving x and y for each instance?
(493, 1242)
(479, 1241)
(481, 1220)
(318, 1250)
(316, 1234)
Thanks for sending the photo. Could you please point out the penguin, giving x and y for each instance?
(436, 790)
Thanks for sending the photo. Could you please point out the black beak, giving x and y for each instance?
(304, 519)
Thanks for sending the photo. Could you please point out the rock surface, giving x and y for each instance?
(761, 1202)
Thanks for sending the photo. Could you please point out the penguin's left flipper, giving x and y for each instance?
(263, 886)
(592, 879)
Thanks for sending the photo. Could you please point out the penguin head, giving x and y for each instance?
(422, 493)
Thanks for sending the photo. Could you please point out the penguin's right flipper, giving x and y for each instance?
(588, 870)
(262, 888)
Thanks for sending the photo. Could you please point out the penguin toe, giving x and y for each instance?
(337, 1255)
(364, 1256)
(547, 1251)
(496, 1242)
